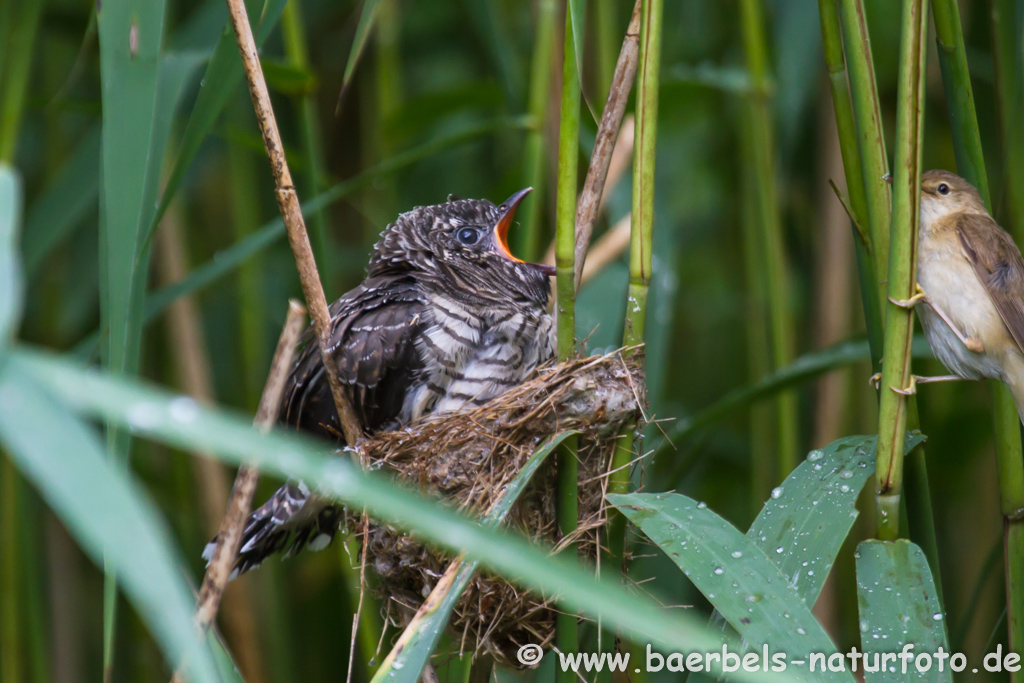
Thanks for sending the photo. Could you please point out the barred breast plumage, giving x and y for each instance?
(446, 318)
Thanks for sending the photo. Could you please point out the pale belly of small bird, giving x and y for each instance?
(951, 283)
(472, 358)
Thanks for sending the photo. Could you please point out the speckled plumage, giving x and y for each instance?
(436, 325)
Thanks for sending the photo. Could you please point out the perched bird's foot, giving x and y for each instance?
(918, 379)
(875, 380)
(974, 345)
(909, 390)
(919, 296)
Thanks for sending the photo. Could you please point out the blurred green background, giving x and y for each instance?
(438, 104)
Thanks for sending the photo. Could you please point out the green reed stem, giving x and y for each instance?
(832, 39)
(763, 460)
(770, 221)
(892, 419)
(295, 46)
(15, 63)
(567, 634)
(528, 236)
(641, 234)
(870, 137)
(970, 162)
(12, 645)
(608, 40)
(1006, 52)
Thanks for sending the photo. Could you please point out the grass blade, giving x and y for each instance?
(158, 414)
(776, 279)
(108, 515)
(17, 63)
(899, 605)
(405, 662)
(735, 575)
(367, 18)
(10, 265)
(222, 76)
(67, 199)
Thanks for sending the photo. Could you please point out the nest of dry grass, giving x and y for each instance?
(468, 458)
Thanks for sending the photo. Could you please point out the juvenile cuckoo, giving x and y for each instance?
(446, 318)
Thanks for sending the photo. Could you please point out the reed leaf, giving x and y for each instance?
(158, 414)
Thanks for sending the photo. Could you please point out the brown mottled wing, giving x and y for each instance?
(998, 264)
(373, 346)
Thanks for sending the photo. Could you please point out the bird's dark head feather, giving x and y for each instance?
(460, 246)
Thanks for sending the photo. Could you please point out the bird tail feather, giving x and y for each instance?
(292, 519)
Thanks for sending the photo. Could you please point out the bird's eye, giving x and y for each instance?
(468, 235)
(943, 189)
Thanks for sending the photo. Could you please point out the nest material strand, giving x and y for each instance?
(467, 458)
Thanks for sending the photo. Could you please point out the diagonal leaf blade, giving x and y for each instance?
(180, 422)
(811, 513)
(107, 513)
(734, 574)
(10, 265)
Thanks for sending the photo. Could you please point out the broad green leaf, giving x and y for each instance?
(405, 662)
(802, 527)
(109, 516)
(222, 76)
(367, 18)
(69, 195)
(734, 574)
(180, 422)
(10, 264)
(804, 523)
(899, 605)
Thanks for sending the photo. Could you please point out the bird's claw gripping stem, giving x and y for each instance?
(918, 297)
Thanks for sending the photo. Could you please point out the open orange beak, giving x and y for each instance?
(507, 213)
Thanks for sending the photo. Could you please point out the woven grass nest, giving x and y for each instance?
(468, 458)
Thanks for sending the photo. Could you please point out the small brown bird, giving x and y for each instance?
(446, 318)
(971, 277)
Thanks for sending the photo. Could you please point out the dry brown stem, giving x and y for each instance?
(288, 202)
(607, 130)
(219, 570)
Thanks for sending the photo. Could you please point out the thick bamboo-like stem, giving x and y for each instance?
(641, 235)
(296, 49)
(842, 106)
(1006, 53)
(567, 628)
(1006, 49)
(17, 65)
(871, 139)
(288, 202)
(218, 571)
(769, 219)
(528, 236)
(604, 143)
(970, 162)
(892, 419)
